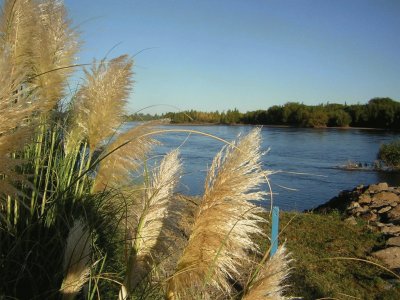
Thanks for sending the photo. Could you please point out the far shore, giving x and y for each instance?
(278, 126)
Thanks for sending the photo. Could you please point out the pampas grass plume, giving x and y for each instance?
(221, 236)
(76, 260)
(129, 151)
(54, 49)
(147, 221)
(268, 284)
(99, 104)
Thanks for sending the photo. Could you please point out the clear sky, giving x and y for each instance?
(221, 54)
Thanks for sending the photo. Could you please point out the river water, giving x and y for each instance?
(305, 160)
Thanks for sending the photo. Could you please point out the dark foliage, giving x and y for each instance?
(377, 113)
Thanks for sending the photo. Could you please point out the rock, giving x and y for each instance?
(394, 215)
(370, 216)
(388, 196)
(373, 188)
(351, 221)
(359, 210)
(395, 190)
(384, 209)
(378, 204)
(384, 198)
(391, 230)
(390, 256)
(353, 205)
(364, 199)
(379, 224)
(393, 241)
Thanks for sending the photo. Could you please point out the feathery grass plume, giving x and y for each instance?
(34, 38)
(98, 107)
(40, 40)
(17, 28)
(220, 239)
(132, 146)
(268, 282)
(17, 116)
(147, 222)
(54, 50)
(16, 98)
(76, 260)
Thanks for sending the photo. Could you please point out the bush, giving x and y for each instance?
(390, 154)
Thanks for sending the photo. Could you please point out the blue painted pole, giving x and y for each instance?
(275, 230)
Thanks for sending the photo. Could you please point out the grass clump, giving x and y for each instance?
(83, 214)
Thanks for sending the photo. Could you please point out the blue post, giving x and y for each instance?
(275, 230)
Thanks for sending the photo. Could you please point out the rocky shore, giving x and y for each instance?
(379, 206)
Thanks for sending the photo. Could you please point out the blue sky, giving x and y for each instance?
(217, 55)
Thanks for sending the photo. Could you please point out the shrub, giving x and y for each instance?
(390, 154)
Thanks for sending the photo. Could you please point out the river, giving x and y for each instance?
(304, 160)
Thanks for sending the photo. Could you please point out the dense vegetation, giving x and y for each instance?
(389, 154)
(377, 113)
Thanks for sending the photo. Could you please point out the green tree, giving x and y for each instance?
(316, 118)
(339, 118)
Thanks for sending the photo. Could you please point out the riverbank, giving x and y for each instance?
(328, 254)
(331, 245)
(279, 126)
(332, 254)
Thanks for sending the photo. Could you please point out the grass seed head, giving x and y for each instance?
(226, 219)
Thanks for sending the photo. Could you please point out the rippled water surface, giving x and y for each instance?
(306, 159)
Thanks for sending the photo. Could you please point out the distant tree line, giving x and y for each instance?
(377, 113)
(194, 116)
(141, 117)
